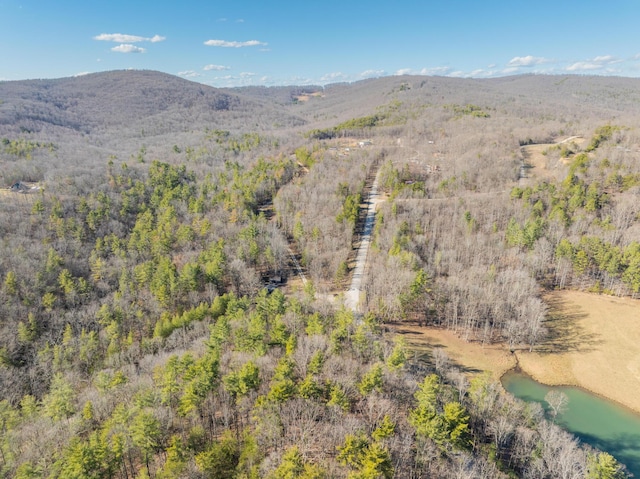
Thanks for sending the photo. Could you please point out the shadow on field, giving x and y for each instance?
(565, 334)
(422, 346)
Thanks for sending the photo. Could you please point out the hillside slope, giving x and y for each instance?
(112, 110)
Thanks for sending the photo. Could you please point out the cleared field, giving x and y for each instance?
(472, 357)
(542, 167)
(7, 195)
(594, 343)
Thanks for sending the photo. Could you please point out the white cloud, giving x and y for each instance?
(189, 74)
(372, 73)
(435, 71)
(128, 48)
(527, 61)
(605, 59)
(596, 63)
(510, 70)
(480, 72)
(442, 71)
(118, 38)
(578, 66)
(124, 38)
(81, 74)
(247, 75)
(218, 68)
(297, 80)
(227, 44)
(332, 77)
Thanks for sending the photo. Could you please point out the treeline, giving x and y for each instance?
(23, 148)
(471, 110)
(347, 128)
(588, 219)
(471, 283)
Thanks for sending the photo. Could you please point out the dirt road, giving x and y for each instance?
(353, 294)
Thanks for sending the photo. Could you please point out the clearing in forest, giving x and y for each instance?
(593, 342)
(540, 164)
(471, 357)
(20, 191)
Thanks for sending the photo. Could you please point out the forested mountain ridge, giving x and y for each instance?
(90, 103)
(137, 338)
(116, 113)
(144, 105)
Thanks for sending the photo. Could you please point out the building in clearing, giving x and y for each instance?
(19, 187)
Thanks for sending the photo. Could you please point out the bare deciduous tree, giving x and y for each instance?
(558, 402)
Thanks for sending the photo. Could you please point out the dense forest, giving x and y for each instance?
(154, 232)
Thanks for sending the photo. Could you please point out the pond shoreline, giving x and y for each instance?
(594, 344)
(517, 369)
(595, 420)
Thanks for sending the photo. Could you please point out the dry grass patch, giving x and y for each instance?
(594, 343)
(28, 196)
(307, 96)
(542, 167)
(472, 357)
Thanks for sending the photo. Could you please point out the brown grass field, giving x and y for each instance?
(542, 166)
(593, 342)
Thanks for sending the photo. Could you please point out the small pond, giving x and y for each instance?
(596, 421)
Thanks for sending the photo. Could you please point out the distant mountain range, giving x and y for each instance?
(113, 113)
(118, 100)
(91, 103)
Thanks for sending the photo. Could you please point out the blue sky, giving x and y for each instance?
(240, 42)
